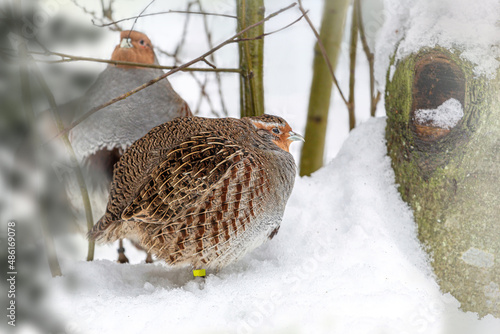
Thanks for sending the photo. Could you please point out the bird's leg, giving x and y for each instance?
(149, 258)
(121, 253)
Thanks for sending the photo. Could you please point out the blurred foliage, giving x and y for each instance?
(31, 189)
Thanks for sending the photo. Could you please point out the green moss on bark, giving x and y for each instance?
(452, 182)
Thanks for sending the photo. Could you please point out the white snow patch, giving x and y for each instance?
(470, 26)
(346, 260)
(446, 116)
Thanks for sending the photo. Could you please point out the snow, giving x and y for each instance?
(446, 116)
(346, 260)
(471, 27)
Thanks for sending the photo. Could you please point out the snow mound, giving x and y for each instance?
(469, 26)
(346, 260)
(446, 116)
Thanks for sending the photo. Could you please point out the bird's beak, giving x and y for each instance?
(295, 136)
(126, 43)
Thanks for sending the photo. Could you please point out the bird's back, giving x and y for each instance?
(120, 124)
(193, 185)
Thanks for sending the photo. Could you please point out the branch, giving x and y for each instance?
(212, 57)
(70, 58)
(94, 15)
(353, 48)
(369, 56)
(323, 53)
(268, 33)
(137, 17)
(177, 69)
(166, 12)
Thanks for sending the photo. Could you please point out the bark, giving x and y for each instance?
(251, 58)
(451, 177)
(332, 27)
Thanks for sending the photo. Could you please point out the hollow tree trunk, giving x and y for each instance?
(251, 58)
(450, 177)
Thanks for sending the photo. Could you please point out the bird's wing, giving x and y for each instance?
(206, 178)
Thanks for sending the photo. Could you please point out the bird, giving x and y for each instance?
(100, 140)
(202, 192)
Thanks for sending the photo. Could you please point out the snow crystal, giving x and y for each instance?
(469, 26)
(446, 116)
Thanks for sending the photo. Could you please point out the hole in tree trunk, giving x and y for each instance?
(437, 79)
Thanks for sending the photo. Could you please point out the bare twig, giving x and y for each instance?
(140, 14)
(108, 13)
(95, 17)
(352, 66)
(212, 58)
(209, 63)
(369, 56)
(268, 33)
(177, 69)
(184, 33)
(323, 52)
(70, 58)
(166, 12)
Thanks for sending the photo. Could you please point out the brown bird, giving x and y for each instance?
(101, 139)
(202, 192)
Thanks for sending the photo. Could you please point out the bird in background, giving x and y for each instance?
(100, 140)
(202, 192)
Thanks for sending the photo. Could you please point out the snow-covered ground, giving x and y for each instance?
(346, 260)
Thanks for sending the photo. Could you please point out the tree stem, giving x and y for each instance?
(251, 58)
(326, 53)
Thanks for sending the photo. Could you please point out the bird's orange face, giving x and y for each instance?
(281, 132)
(134, 47)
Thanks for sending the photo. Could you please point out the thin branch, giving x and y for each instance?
(184, 33)
(108, 12)
(369, 56)
(353, 47)
(165, 12)
(212, 57)
(267, 33)
(323, 53)
(209, 63)
(140, 14)
(95, 17)
(177, 69)
(70, 58)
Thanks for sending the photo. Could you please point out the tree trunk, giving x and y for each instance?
(251, 58)
(450, 177)
(331, 33)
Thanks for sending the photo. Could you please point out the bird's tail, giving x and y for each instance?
(104, 230)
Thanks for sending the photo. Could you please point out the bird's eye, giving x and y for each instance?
(141, 42)
(276, 130)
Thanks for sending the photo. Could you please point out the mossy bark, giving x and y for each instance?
(251, 58)
(450, 177)
(331, 33)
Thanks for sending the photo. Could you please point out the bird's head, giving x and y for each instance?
(276, 129)
(134, 47)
